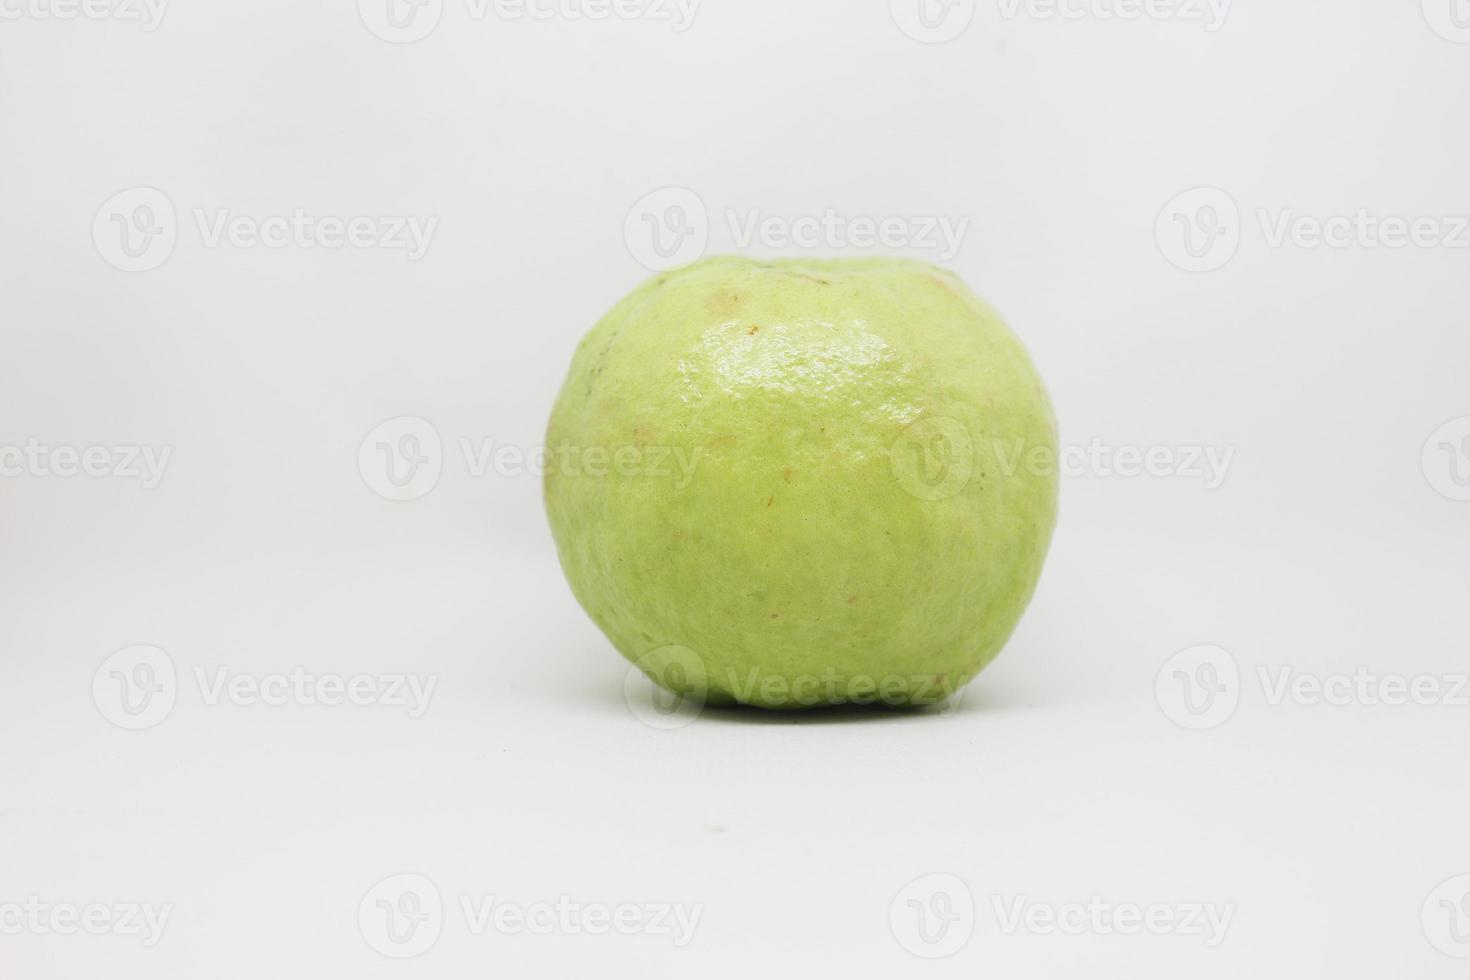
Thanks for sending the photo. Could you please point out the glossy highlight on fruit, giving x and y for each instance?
(795, 483)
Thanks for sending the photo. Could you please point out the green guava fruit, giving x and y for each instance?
(798, 483)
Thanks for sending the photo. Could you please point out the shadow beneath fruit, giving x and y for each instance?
(659, 709)
(838, 714)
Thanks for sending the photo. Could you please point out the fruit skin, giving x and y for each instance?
(873, 488)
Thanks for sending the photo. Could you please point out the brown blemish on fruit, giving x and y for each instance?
(786, 474)
(752, 331)
(775, 615)
(851, 599)
(770, 500)
(724, 301)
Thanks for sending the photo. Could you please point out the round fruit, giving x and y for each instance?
(799, 483)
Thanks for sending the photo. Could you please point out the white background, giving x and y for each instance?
(1334, 542)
